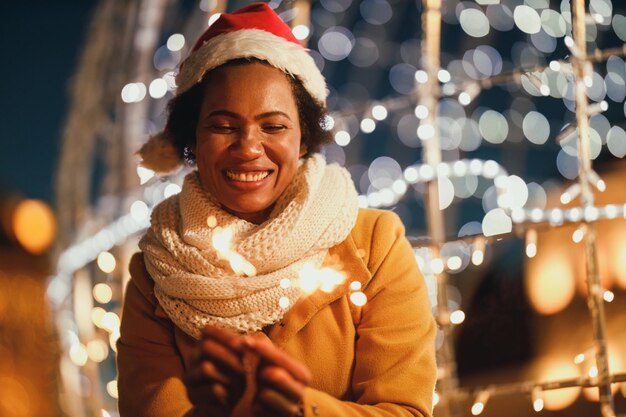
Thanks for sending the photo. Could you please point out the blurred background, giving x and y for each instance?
(85, 83)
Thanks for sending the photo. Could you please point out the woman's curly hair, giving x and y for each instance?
(184, 111)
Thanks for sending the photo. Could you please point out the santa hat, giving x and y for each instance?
(254, 31)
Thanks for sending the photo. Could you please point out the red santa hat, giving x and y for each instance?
(254, 31)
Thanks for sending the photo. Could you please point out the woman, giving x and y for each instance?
(213, 330)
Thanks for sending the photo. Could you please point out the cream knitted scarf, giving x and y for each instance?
(196, 287)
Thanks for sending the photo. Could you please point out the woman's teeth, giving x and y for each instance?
(246, 176)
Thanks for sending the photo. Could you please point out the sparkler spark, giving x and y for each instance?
(221, 239)
(310, 278)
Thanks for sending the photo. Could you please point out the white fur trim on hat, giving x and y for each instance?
(253, 43)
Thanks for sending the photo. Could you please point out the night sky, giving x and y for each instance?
(40, 43)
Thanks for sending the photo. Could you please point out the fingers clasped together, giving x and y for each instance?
(216, 379)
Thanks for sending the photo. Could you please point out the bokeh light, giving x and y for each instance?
(34, 225)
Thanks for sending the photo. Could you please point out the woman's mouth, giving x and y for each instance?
(247, 176)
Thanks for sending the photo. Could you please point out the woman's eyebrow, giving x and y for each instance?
(272, 113)
(223, 113)
(258, 117)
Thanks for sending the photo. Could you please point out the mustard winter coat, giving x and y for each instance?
(375, 360)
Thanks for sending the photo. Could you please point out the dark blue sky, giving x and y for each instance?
(40, 43)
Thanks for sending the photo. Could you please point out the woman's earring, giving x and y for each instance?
(189, 156)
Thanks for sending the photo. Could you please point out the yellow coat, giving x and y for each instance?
(375, 360)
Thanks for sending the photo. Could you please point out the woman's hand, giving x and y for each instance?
(216, 380)
(281, 380)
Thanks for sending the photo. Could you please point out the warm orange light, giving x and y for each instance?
(34, 225)
(560, 398)
(550, 284)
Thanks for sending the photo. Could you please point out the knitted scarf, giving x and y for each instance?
(195, 287)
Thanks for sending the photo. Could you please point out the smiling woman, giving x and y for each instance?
(222, 316)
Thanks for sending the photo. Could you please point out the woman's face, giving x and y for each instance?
(248, 138)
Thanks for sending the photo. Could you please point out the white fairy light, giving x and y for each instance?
(578, 235)
(379, 112)
(342, 138)
(426, 131)
(443, 169)
(436, 265)
(78, 354)
(443, 76)
(421, 76)
(144, 174)
(478, 257)
(555, 66)
(490, 169)
(421, 111)
(301, 32)
(175, 42)
(457, 317)
(158, 88)
(531, 243)
(106, 262)
(171, 189)
(367, 125)
(112, 388)
(574, 214)
(426, 172)
(454, 263)
(536, 215)
(518, 215)
(102, 293)
(591, 214)
(139, 210)
(555, 216)
(479, 404)
(411, 175)
(111, 322)
(399, 187)
(537, 399)
(611, 211)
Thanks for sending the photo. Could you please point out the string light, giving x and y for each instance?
(106, 262)
(478, 253)
(578, 235)
(457, 317)
(479, 404)
(608, 296)
(436, 266)
(531, 243)
(537, 399)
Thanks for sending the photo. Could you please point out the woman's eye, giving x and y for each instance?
(223, 128)
(273, 128)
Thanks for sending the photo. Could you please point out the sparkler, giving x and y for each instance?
(310, 278)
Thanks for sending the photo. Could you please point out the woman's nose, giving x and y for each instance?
(248, 145)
